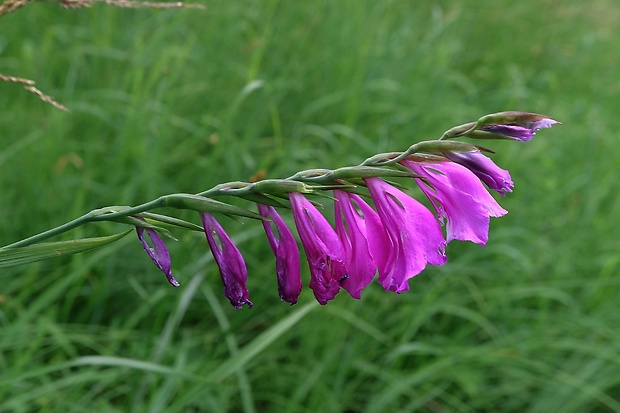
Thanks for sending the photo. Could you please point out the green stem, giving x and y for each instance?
(95, 215)
(52, 232)
(239, 189)
(460, 130)
(236, 188)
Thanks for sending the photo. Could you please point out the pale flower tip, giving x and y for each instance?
(544, 123)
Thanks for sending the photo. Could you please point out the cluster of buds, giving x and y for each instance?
(395, 240)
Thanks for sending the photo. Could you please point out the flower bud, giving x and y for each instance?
(520, 126)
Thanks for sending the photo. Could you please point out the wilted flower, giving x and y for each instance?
(159, 253)
(230, 261)
(414, 237)
(359, 261)
(284, 247)
(324, 251)
(485, 169)
(519, 126)
(458, 196)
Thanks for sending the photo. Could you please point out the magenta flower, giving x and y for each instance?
(519, 126)
(230, 261)
(284, 247)
(414, 237)
(485, 169)
(324, 251)
(379, 243)
(458, 196)
(359, 260)
(159, 253)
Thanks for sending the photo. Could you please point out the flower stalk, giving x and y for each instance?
(393, 240)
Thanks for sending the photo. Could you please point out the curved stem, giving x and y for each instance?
(52, 232)
(294, 183)
(102, 214)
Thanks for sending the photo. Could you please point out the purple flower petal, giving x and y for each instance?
(485, 169)
(379, 243)
(324, 251)
(519, 133)
(458, 196)
(229, 260)
(414, 235)
(521, 126)
(288, 267)
(359, 261)
(159, 253)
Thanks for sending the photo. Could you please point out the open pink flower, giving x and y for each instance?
(459, 197)
(324, 251)
(414, 237)
(229, 260)
(359, 260)
(485, 169)
(284, 247)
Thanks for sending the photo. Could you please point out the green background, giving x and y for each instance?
(167, 101)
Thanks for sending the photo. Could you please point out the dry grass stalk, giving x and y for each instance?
(29, 86)
(9, 6)
(129, 4)
(154, 5)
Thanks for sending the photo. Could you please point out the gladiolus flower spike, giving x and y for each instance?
(394, 240)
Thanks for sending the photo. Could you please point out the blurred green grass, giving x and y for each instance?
(178, 101)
